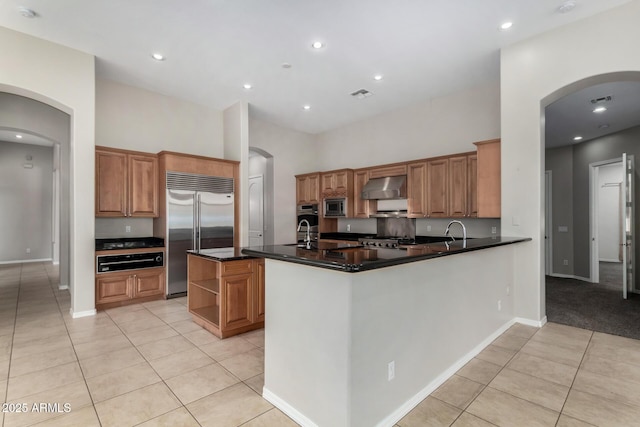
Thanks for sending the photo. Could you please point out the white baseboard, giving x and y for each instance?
(63, 287)
(79, 314)
(289, 410)
(617, 261)
(530, 322)
(571, 276)
(25, 261)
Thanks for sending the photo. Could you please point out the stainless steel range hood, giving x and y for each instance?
(390, 187)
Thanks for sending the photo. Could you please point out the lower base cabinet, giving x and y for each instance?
(133, 286)
(226, 297)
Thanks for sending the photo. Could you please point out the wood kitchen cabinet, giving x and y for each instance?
(472, 185)
(417, 190)
(226, 297)
(131, 286)
(390, 170)
(337, 183)
(437, 188)
(308, 188)
(361, 207)
(489, 201)
(126, 183)
(458, 186)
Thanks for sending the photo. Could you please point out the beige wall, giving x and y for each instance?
(434, 127)
(293, 153)
(534, 73)
(65, 79)
(136, 119)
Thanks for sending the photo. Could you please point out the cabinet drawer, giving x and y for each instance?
(236, 267)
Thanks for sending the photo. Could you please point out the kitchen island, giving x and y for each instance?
(225, 290)
(357, 336)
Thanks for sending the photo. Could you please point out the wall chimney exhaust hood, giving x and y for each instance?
(390, 187)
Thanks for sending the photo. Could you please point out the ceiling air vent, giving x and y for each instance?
(601, 100)
(361, 94)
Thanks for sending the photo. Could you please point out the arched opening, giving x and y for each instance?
(39, 230)
(261, 197)
(589, 251)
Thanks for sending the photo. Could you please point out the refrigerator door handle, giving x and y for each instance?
(198, 210)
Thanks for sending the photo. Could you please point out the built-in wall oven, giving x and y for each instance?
(310, 214)
(131, 261)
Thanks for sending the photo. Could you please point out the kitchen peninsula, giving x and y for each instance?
(358, 336)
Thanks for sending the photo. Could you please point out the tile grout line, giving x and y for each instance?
(13, 334)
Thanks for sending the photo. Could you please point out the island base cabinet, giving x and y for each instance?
(226, 297)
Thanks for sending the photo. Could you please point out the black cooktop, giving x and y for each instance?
(129, 243)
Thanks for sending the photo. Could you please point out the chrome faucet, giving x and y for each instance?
(464, 230)
(307, 237)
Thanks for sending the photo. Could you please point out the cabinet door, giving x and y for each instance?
(328, 182)
(143, 186)
(458, 186)
(314, 188)
(341, 182)
(113, 287)
(384, 171)
(237, 311)
(302, 190)
(360, 206)
(148, 283)
(417, 190)
(489, 201)
(437, 203)
(472, 185)
(258, 291)
(111, 184)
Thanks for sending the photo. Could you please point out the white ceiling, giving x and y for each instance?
(10, 135)
(424, 48)
(573, 115)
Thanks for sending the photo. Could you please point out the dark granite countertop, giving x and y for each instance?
(355, 258)
(221, 254)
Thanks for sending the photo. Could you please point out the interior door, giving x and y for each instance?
(628, 235)
(256, 211)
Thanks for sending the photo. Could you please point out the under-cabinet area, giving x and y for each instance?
(226, 296)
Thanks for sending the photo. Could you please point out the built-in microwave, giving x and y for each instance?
(336, 207)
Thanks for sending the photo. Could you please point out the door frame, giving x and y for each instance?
(262, 208)
(548, 224)
(594, 252)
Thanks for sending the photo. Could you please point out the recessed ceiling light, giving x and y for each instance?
(505, 26)
(600, 109)
(566, 7)
(18, 136)
(247, 86)
(317, 45)
(158, 56)
(26, 12)
(306, 107)
(577, 138)
(378, 77)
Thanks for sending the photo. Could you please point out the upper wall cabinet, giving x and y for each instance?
(489, 201)
(361, 207)
(417, 190)
(126, 183)
(308, 188)
(337, 183)
(438, 188)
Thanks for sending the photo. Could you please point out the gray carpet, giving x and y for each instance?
(594, 306)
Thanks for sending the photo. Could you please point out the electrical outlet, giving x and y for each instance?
(428, 228)
(499, 305)
(565, 262)
(28, 250)
(127, 229)
(391, 370)
(494, 230)
(348, 227)
(508, 290)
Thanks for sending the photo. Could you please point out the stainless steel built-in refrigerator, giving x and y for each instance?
(200, 215)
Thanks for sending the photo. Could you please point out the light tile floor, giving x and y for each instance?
(149, 365)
